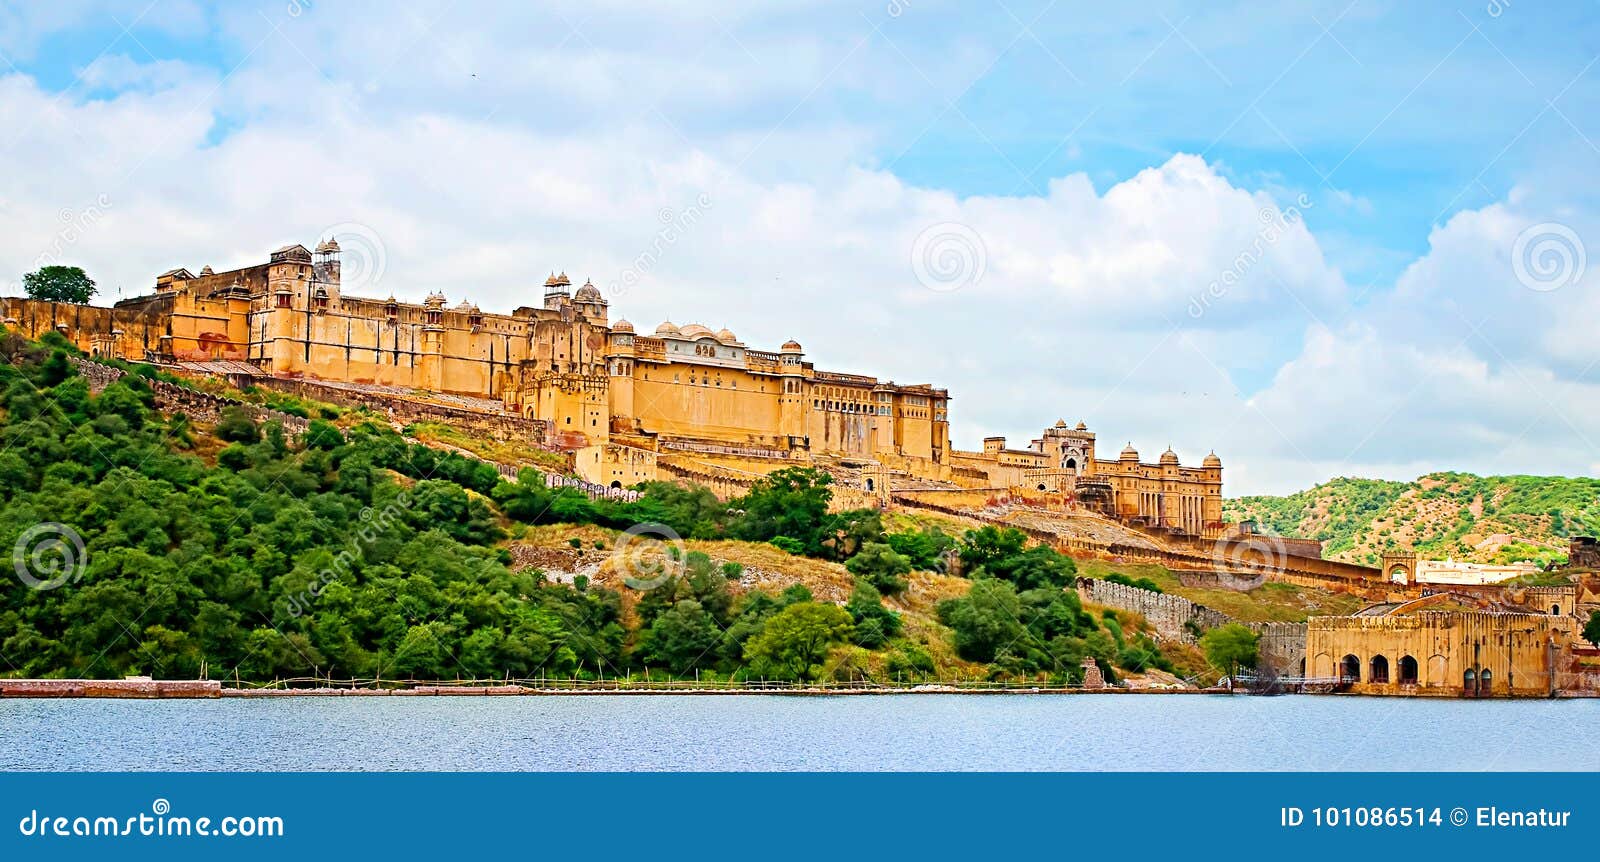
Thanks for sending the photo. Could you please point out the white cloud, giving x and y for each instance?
(1086, 309)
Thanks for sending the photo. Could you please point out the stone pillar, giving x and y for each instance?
(1092, 678)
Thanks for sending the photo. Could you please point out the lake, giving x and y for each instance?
(759, 732)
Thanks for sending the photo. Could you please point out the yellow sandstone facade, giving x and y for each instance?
(620, 399)
(1472, 654)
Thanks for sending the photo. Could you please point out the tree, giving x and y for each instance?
(1231, 647)
(924, 549)
(880, 566)
(1001, 552)
(59, 284)
(794, 643)
(986, 620)
(682, 638)
(1591, 629)
(792, 502)
(875, 624)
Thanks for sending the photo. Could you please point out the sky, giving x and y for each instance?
(1322, 238)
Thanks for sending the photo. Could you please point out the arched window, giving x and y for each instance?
(1469, 680)
(1408, 670)
(1485, 682)
(1380, 669)
(1350, 669)
(1555, 610)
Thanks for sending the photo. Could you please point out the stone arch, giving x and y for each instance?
(1379, 669)
(616, 483)
(1322, 666)
(1350, 668)
(1485, 681)
(1436, 670)
(870, 485)
(1408, 670)
(1469, 681)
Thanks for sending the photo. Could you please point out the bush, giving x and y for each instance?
(237, 425)
(881, 566)
(787, 545)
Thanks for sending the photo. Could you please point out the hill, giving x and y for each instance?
(1488, 519)
(241, 544)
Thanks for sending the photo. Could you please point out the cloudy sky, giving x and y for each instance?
(1331, 238)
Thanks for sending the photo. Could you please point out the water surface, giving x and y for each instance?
(748, 732)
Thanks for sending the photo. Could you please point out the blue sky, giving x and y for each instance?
(1094, 171)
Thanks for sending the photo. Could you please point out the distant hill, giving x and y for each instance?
(1457, 515)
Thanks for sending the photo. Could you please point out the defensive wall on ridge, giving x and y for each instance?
(1282, 645)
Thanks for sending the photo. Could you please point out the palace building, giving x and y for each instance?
(620, 398)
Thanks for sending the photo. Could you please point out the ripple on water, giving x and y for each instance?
(901, 732)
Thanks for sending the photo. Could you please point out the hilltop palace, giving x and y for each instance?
(616, 406)
(616, 397)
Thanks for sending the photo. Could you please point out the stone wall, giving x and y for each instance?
(1283, 645)
(497, 426)
(1171, 615)
(197, 405)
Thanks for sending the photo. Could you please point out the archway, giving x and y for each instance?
(1350, 669)
(870, 485)
(1041, 486)
(1485, 682)
(1072, 464)
(1555, 610)
(1380, 669)
(616, 483)
(1469, 681)
(1408, 670)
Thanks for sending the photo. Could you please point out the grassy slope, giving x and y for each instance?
(1460, 515)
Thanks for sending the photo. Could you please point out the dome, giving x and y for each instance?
(563, 281)
(1169, 457)
(551, 281)
(726, 336)
(694, 330)
(667, 328)
(1129, 453)
(1081, 427)
(791, 346)
(1061, 423)
(1212, 460)
(466, 306)
(589, 293)
(434, 300)
(206, 270)
(622, 326)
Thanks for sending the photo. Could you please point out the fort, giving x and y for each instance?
(620, 406)
(628, 405)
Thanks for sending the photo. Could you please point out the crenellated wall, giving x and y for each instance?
(1282, 644)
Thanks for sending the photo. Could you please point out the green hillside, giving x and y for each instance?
(1458, 515)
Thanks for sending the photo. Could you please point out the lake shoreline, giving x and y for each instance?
(146, 689)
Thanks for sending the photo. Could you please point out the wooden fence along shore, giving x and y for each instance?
(318, 687)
